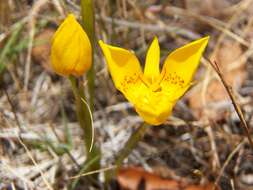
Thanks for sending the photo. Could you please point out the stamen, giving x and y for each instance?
(128, 81)
(155, 87)
(144, 81)
(174, 79)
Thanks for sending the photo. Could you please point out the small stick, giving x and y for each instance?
(66, 150)
(233, 99)
(93, 172)
(230, 156)
(13, 110)
(20, 139)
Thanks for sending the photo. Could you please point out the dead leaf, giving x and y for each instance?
(41, 50)
(197, 187)
(135, 178)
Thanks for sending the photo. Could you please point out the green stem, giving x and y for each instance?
(85, 121)
(129, 146)
(83, 114)
(88, 25)
(84, 169)
(7, 51)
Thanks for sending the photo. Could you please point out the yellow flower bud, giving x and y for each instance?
(71, 52)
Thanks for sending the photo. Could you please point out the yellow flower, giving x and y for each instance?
(154, 93)
(71, 49)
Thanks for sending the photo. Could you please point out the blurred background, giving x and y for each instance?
(202, 142)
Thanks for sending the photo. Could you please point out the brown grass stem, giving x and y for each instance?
(66, 150)
(19, 137)
(234, 102)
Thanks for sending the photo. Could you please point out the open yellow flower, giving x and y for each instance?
(71, 49)
(154, 93)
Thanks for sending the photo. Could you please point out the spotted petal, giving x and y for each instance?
(180, 66)
(123, 65)
(153, 94)
(129, 79)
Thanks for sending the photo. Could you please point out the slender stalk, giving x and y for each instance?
(21, 140)
(85, 120)
(6, 50)
(237, 107)
(84, 169)
(83, 114)
(84, 111)
(131, 144)
(128, 147)
(88, 25)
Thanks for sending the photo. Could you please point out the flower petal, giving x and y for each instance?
(154, 107)
(152, 71)
(180, 66)
(123, 65)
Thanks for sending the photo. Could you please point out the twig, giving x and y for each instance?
(215, 161)
(150, 27)
(13, 186)
(59, 7)
(13, 110)
(66, 150)
(35, 163)
(22, 143)
(93, 172)
(230, 156)
(235, 104)
(32, 16)
(18, 175)
(217, 24)
(144, 26)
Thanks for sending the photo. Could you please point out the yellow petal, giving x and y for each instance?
(155, 99)
(180, 66)
(152, 71)
(71, 49)
(123, 65)
(127, 76)
(154, 107)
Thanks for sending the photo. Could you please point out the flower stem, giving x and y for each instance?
(85, 120)
(128, 147)
(88, 25)
(83, 114)
(131, 144)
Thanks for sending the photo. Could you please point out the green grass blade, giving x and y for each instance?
(7, 49)
(88, 25)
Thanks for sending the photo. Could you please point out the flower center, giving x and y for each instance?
(153, 85)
